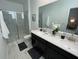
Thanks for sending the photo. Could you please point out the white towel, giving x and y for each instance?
(5, 31)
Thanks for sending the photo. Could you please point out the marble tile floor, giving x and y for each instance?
(15, 53)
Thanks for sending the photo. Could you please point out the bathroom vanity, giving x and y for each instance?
(53, 47)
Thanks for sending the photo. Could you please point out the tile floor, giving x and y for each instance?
(15, 53)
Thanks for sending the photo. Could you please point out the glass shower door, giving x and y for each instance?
(17, 23)
(11, 23)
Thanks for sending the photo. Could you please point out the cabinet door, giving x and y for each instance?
(59, 56)
(52, 54)
(34, 40)
(42, 48)
(38, 44)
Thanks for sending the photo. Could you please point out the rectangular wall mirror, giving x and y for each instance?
(60, 12)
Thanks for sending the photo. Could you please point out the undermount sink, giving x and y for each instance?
(72, 38)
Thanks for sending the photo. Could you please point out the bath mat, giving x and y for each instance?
(34, 54)
(22, 46)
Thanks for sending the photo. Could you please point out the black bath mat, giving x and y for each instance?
(34, 54)
(22, 46)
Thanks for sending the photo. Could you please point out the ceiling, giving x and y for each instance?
(19, 1)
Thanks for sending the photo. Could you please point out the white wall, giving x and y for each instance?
(25, 5)
(29, 14)
(3, 48)
(3, 44)
(35, 4)
(10, 6)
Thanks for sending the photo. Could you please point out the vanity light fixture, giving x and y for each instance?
(72, 19)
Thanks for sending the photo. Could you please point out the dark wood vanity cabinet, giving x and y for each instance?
(48, 50)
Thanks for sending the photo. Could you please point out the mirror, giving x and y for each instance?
(73, 19)
(59, 12)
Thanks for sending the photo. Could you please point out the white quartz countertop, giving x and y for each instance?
(65, 44)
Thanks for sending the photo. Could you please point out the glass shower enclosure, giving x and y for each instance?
(17, 23)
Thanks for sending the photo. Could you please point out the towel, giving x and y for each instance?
(5, 31)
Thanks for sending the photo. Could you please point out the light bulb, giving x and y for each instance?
(72, 20)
